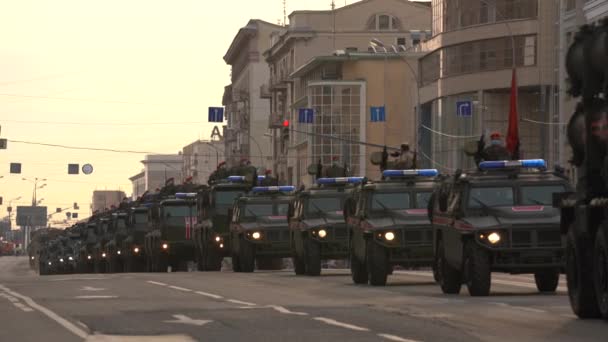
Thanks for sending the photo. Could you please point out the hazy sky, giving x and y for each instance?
(111, 61)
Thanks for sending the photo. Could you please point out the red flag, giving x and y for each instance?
(513, 131)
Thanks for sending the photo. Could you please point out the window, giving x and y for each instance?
(490, 197)
(422, 200)
(540, 195)
(401, 41)
(322, 205)
(390, 201)
(265, 209)
(383, 22)
(226, 198)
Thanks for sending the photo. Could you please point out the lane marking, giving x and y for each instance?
(89, 288)
(240, 302)
(96, 297)
(396, 338)
(284, 310)
(23, 307)
(50, 314)
(122, 338)
(523, 308)
(183, 319)
(210, 295)
(179, 288)
(340, 324)
(156, 283)
(82, 325)
(87, 278)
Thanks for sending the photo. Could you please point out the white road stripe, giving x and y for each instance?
(84, 278)
(96, 297)
(23, 307)
(396, 338)
(50, 314)
(340, 324)
(523, 308)
(156, 283)
(180, 288)
(211, 295)
(284, 310)
(240, 302)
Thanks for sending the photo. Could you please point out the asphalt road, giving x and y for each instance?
(276, 306)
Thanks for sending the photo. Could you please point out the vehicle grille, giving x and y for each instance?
(417, 236)
(530, 237)
(275, 235)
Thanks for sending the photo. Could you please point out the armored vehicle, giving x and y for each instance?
(259, 229)
(389, 225)
(88, 236)
(132, 247)
(104, 233)
(316, 224)
(498, 219)
(118, 233)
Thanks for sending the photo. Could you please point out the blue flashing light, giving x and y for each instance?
(513, 164)
(236, 178)
(282, 188)
(182, 195)
(411, 173)
(340, 180)
(261, 178)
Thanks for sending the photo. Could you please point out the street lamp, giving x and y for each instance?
(35, 182)
(10, 204)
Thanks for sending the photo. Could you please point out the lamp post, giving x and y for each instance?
(10, 204)
(36, 187)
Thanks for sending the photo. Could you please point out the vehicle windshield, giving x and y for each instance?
(253, 210)
(539, 194)
(422, 199)
(225, 197)
(323, 205)
(121, 223)
(140, 218)
(382, 201)
(486, 197)
(177, 214)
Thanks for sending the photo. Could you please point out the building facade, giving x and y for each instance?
(139, 185)
(201, 159)
(475, 45)
(320, 33)
(245, 100)
(158, 168)
(105, 199)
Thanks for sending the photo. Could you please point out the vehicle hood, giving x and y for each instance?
(516, 216)
(407, 217)
(331, 218)
(266, 222)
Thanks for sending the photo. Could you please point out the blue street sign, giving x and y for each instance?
(378, 114)
(464, 108)
(216, 114)
(306, 115)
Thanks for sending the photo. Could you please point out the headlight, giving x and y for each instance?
(322, 233)
(118, 252)
(103, 255)
(50, 263)
(89, 257)
(33, 258)
(218, 239)
(256, 235)
(70, 258)
(136, 250)
(221, 245)
(494, 238)
(389, 236)
(61, 260)
(165, 246)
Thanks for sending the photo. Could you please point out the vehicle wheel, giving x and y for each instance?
(269, 263)
(579, 273)
(213, 260)
(236, 263)
(547, 280)
(298, 265)
(42, 269)
(246, 256)
(377, 264)
(601, 270)
(312, 253)
(358, 270)
(477, 270)
(450, 279)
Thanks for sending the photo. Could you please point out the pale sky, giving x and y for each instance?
(111, 61)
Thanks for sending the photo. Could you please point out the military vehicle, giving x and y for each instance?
(117, 230)
(584, 213)
(389, 225)
(259, 229)
(316, 224)
(88, 236)
(104, 234)
(49, 258)
(39, 240)
(498, 219)
(172, 219)
(132, 247)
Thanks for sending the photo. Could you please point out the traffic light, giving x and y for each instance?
(0, 200)
(285, 130)
(73, 169)
(15, 168)
(76, 206)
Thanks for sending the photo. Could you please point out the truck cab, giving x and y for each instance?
(389, 225)
(498, 219)
(115, 255)
(133, 245)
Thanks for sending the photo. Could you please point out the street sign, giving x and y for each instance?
(306, 115)
(216, 114)
(464, 108)
(378, 114)
(73, 169)
(3, 144)
(87, 169)
(15, 168)
(31, 216)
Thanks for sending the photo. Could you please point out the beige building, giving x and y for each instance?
(247, 106)
(139, 184)
(469, 65)
(104, 199)
(342, 108)
(320, 33)
(201, 159)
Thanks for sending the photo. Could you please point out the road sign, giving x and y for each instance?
(306, 115)
(464, 108)
(15, 168)
(73, 169)
(378, 114)
(3, 144)
(87, 169)
(216, 114)
(31, 216)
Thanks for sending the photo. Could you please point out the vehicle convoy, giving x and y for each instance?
(118, 233)
(39, 241)
(584, 213)
(389, 224)
(172, 218)
(104, 233)
(132, 246)
(259, 229)
(498, 219)
(316, 223)
(88, 236)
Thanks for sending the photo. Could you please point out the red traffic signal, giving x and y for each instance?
(285, 123)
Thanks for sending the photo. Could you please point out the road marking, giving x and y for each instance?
(240, 302)
(523, 308)
(121, 338)
(180, 288)
(156, 283)
(571, 316)
(396, 338)
(183, 319)
(82, 325)
(89, 288)
(211, 295)
(50, 314)
(283, 310)
(96, 297)
(340, 324)
(23, 307)
(88, 278)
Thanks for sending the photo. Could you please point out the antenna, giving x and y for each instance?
(333, 10)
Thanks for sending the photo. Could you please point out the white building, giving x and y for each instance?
(201, 159)
(139, 184)
(158, 168)
(104, 199)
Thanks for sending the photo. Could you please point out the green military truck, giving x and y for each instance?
(498, 219)
(389, 225)
(133, 244)
(316, 224)
(259, 229)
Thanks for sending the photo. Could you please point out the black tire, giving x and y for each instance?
(299, 266)
(312, 253)
(579, 273)
(477, 270)
(246, 256)
(358, 270)
(213, 260)
(269, 263)
(377, 264)
(200, 262)
(600, 257)
(236, 263)
(450, 279)
(547, 280)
